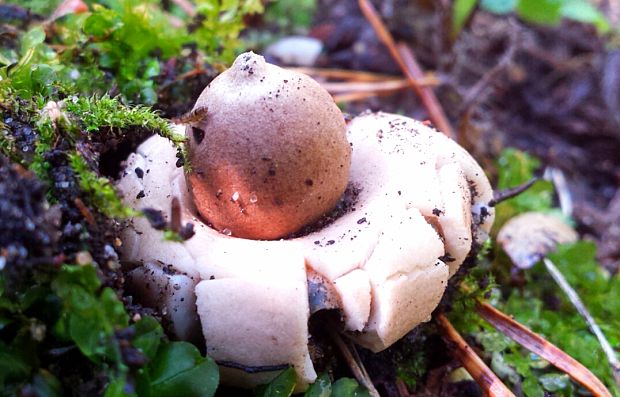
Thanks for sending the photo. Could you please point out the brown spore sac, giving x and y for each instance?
(296, 167)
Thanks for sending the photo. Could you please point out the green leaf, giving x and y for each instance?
(532, 388)
(493, 341)
(32, 38)
(584, 11)
(118, 388)
(113, 308)
(282, 386)
(461, 11)
(13, 365)
(74, 276)
(100, 22)
(347, 387)
(180, 370)
(554, 382)
(44, 384)
(545, 12)
(148, 336)
(89, 318)
(498, 6)
(42, 78)
(322, 387)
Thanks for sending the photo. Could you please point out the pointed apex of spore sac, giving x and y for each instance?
(249, 64)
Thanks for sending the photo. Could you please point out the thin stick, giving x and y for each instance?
(502, 195)
(406, 61)
(354, 86)
(357, 368)
(187, 75)
(344, 74)
(474, 94)
(84, 211)
(359, 96)
(486, 379)
(548, 351)
(175, 215)
(574, 298)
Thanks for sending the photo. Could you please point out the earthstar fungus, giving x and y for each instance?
(420, 202)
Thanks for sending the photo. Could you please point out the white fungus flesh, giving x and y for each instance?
(245, 302)
(421, 203)
(171, 293)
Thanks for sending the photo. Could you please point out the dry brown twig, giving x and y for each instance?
(486, 379)
(474, 94)
(351, 357)
(406, 61)
(187, 75)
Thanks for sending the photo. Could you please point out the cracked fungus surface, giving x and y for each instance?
(421, 201)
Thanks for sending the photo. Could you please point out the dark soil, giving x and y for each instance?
(30, 233)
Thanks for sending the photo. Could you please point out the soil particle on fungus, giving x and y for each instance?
(156, 218)
(345, 205)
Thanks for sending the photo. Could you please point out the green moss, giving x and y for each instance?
(99, 190)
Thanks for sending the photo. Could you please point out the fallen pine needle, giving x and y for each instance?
(406, 61)
(344, 74)
(344, 87)
(486, 379)
(358, 96)
(545, 349)
(429, 99)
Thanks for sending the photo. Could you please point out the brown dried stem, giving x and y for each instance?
(486, 379)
